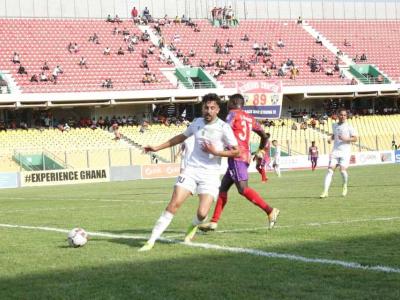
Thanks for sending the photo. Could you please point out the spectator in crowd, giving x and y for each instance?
(329, 71)
(299, 20)
(94, 38)
(169, 60)
(245, 38)
(226, 50)
(196, 28)
(172, 47)
(57, 70)
(280, 43)
(43, 77)
(125, 31)
(146, 13)
(146, 79)
(318, 40)
(45, 66)
(131, 48)
(363, 57)
(151, 49)
(134, 13)
(186, 61)
(252, 73)
(202, 63)
(82, 62)
(74, 48)
(116, 31)
(294, 126)
(192, 53)
(117, 134)
(394, 146)
(16, 59)
(117, 19)
(22, 70)
(353, 81)
(145, 36)
(107, 51)
(379, 79)
(294, 72)
(120, 51)
(144, 64)
(346, 43)
(109, 19)
(107, 83)
(34, 78)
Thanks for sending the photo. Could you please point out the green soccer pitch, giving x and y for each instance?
(334, 248)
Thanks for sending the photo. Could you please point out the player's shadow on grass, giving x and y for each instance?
(172, 271)
(141, 231)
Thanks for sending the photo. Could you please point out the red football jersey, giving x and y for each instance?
(242, 124)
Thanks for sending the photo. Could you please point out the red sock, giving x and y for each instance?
(255, 198)
(259, 169)
(219, 207)
(263, 175)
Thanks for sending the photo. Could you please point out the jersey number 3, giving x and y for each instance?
(246, 128)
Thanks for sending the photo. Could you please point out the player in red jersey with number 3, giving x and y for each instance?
(242, 125)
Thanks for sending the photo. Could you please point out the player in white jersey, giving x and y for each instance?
(201, 174)
(185, 151)
(277, 158)
(343, 135)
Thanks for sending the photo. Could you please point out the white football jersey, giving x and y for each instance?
(188, 149)
(218, 133)
(344, 130)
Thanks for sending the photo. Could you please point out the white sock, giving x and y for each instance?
(328, 180)
(345, 177)
(196, 221)
(160, 226)
(278, 171)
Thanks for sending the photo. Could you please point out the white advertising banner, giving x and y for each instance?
(66, 176)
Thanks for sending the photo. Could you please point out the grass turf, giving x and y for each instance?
(38, 264)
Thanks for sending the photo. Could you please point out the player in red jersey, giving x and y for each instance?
(263, 160)
(242, 124)
(313, 155)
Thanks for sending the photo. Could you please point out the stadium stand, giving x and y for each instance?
(299, 45)
(39, 40)
(379, 40)
(77, 148)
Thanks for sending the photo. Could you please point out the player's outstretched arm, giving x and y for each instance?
(172, 142)
(209, 148)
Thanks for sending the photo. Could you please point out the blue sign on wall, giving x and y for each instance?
(8, 180)
(397, 156)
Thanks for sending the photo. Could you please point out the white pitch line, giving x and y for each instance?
(254, 252)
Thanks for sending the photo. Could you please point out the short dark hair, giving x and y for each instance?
(236, 100)
(274, 141)
(341, 109)
(211, 97)
(268, 135)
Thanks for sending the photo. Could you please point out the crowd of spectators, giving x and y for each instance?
(224, 17)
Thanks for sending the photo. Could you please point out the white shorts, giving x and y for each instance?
(339, 159)
(199, 182)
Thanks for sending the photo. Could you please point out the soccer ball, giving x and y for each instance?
(77, 237)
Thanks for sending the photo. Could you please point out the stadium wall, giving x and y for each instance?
(244, 9)
(154, 171)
